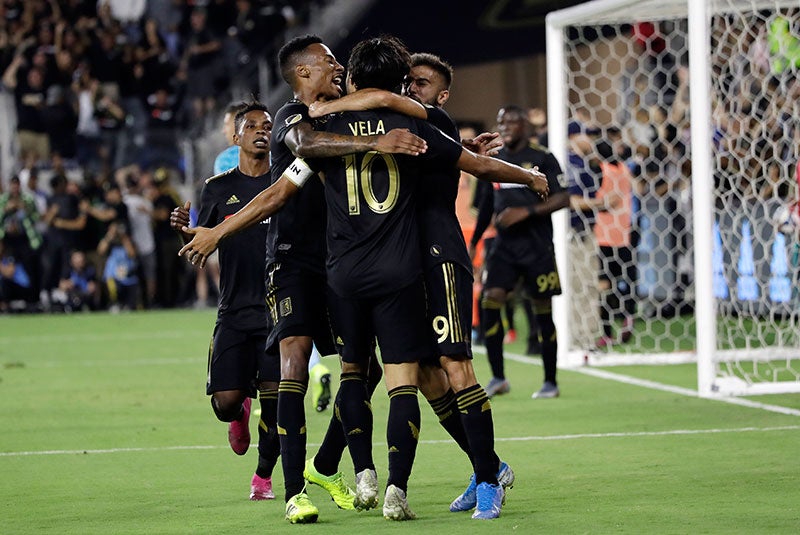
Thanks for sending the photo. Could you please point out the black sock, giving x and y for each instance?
(493, 337)
(446, 408)
(329, 455)
(547, 335)
(356, 414)
(476, 417)
(292, 433)
(269, 446)
(402, 434)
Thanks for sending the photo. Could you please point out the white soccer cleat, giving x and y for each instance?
(395, 505)
(366, 490)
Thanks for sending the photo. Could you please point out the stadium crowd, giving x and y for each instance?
(104, 92)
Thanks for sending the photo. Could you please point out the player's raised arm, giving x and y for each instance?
(369, 99)
(206, 240)
(494, 170)
(305, 142)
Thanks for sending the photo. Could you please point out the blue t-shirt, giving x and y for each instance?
(120, 267)
(227, 159)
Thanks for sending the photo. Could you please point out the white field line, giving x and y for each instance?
(533, 438)
(602, 374)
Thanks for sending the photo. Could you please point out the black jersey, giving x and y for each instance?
(241, 257)
(373, 237)
(296, 234)
(534, 234)
(442, 239)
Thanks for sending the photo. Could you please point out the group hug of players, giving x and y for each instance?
(346, 206)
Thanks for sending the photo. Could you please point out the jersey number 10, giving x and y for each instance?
(359, 182)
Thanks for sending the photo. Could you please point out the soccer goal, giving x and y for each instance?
(698, 100)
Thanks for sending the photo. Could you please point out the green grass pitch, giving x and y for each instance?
(105, 428)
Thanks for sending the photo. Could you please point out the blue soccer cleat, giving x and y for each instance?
(490, 501)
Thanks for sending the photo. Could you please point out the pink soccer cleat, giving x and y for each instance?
(239, 430)
(261, 488)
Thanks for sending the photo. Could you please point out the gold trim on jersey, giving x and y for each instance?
(453, 316)
(222, 174)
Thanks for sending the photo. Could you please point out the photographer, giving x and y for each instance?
(119, 275)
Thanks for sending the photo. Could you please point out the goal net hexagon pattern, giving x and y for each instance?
(623, 103)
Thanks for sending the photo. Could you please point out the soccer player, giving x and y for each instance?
(523, 249)
(364, 262)
(448, 283)
(237, 354)
(296, 284)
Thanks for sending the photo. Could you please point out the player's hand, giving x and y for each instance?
(401, 141)
(179, 217)
(539, 183)
(314, 110)
(204, 242)
(511, 216)
(485, 144)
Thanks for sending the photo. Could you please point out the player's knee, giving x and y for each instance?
(226, 408)
(460, 373)
(494, 298)
(433, 382)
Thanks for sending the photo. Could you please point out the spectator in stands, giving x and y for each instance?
(163, 108)
(18, 228)
(66, 218)
(140, 214)
(119, 273)
(78, 288)
(15, 284)
(61, 122)
(30, 96)
(168, 243)
(201, 64)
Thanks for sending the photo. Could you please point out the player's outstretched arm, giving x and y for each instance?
(494, 170)
(369, 99)
(306, 142)
(206, 240)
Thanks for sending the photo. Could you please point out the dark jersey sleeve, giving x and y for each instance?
(441, 120)
(207, 214)
(553, 171)
(484, 201)
(442, 149)
(290, 115)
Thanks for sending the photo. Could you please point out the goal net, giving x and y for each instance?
(676, 121)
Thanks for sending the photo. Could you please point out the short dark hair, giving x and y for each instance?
(289, 53)
(436, 63)
(234, 108)
(248, 107)
(381, 63)
(516, 110)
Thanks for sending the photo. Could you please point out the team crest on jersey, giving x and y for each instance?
(286, 307)
(292, 119)
(233, 200)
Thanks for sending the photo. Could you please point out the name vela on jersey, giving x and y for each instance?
(366, 128)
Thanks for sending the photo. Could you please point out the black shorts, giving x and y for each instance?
(238, 360)
(297, 306)
(539, 275)
(397, 320)
(449, 290)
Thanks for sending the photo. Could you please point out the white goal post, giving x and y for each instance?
(729, 165)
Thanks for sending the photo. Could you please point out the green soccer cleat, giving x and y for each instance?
(320, 382)
(335, 485)
(300, 510)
